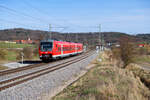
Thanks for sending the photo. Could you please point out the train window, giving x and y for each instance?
(46, 46)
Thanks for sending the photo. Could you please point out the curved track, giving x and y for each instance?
(9, 71)
(4, 84)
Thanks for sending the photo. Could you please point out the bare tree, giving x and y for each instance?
(126, 49)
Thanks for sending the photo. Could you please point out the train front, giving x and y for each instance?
(45, 50)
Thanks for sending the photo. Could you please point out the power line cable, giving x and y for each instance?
(26, 15)
(35, 8)
(14, 14)
(38, 10)
(41, 11)
(23, 14)
(8, 21)
(10, 13)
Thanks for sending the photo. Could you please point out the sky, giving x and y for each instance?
(129, 16)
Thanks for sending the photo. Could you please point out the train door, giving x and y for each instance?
(61, 49)
(76, 48)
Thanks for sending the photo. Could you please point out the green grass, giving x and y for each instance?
(13, 45)
(142, 59)
(11, 55)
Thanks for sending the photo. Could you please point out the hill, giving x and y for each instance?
(86, 38)
(144, 37)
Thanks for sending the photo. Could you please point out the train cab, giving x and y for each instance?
(45, 49)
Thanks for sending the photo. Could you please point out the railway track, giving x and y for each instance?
(4, 84)
(19, 69)
(29, 69)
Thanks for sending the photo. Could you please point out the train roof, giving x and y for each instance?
(50, 40)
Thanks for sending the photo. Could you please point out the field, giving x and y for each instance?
(141, 59)
(13, 45)
(106, 82)
(12, 54)
(12, 50)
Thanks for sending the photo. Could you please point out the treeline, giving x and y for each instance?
(86, 38)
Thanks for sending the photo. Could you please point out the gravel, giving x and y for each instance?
(46, 85)
(9, 76)
(15, 65)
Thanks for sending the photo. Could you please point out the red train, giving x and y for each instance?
(52, 49)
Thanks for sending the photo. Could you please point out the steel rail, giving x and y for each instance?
(19, 69)
(22, 79)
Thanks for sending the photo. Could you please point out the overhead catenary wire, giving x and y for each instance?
(43, 12)
(24, 14)
(35, 18)
(39, 11)
(15, 14)
(12, 11)
(13, 22)
(33, 7)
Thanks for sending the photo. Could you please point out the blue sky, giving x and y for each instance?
(130, 16)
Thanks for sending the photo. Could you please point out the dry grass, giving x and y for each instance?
(2, 67)
(106, 82)
(143, 74)
(142, 59)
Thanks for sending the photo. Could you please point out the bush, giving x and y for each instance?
(117, 57)
(116, 53)
(19, 55)
(126, 50)
(2, 53)
(142, 51)
(28, 52)
(35, 51)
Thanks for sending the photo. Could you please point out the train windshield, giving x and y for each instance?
(46, 46)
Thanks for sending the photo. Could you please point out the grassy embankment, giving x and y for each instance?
(106, 82)
(143, 55)
(142, 60)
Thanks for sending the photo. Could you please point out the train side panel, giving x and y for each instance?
(61, 49)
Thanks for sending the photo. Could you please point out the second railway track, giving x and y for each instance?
(4, 84)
